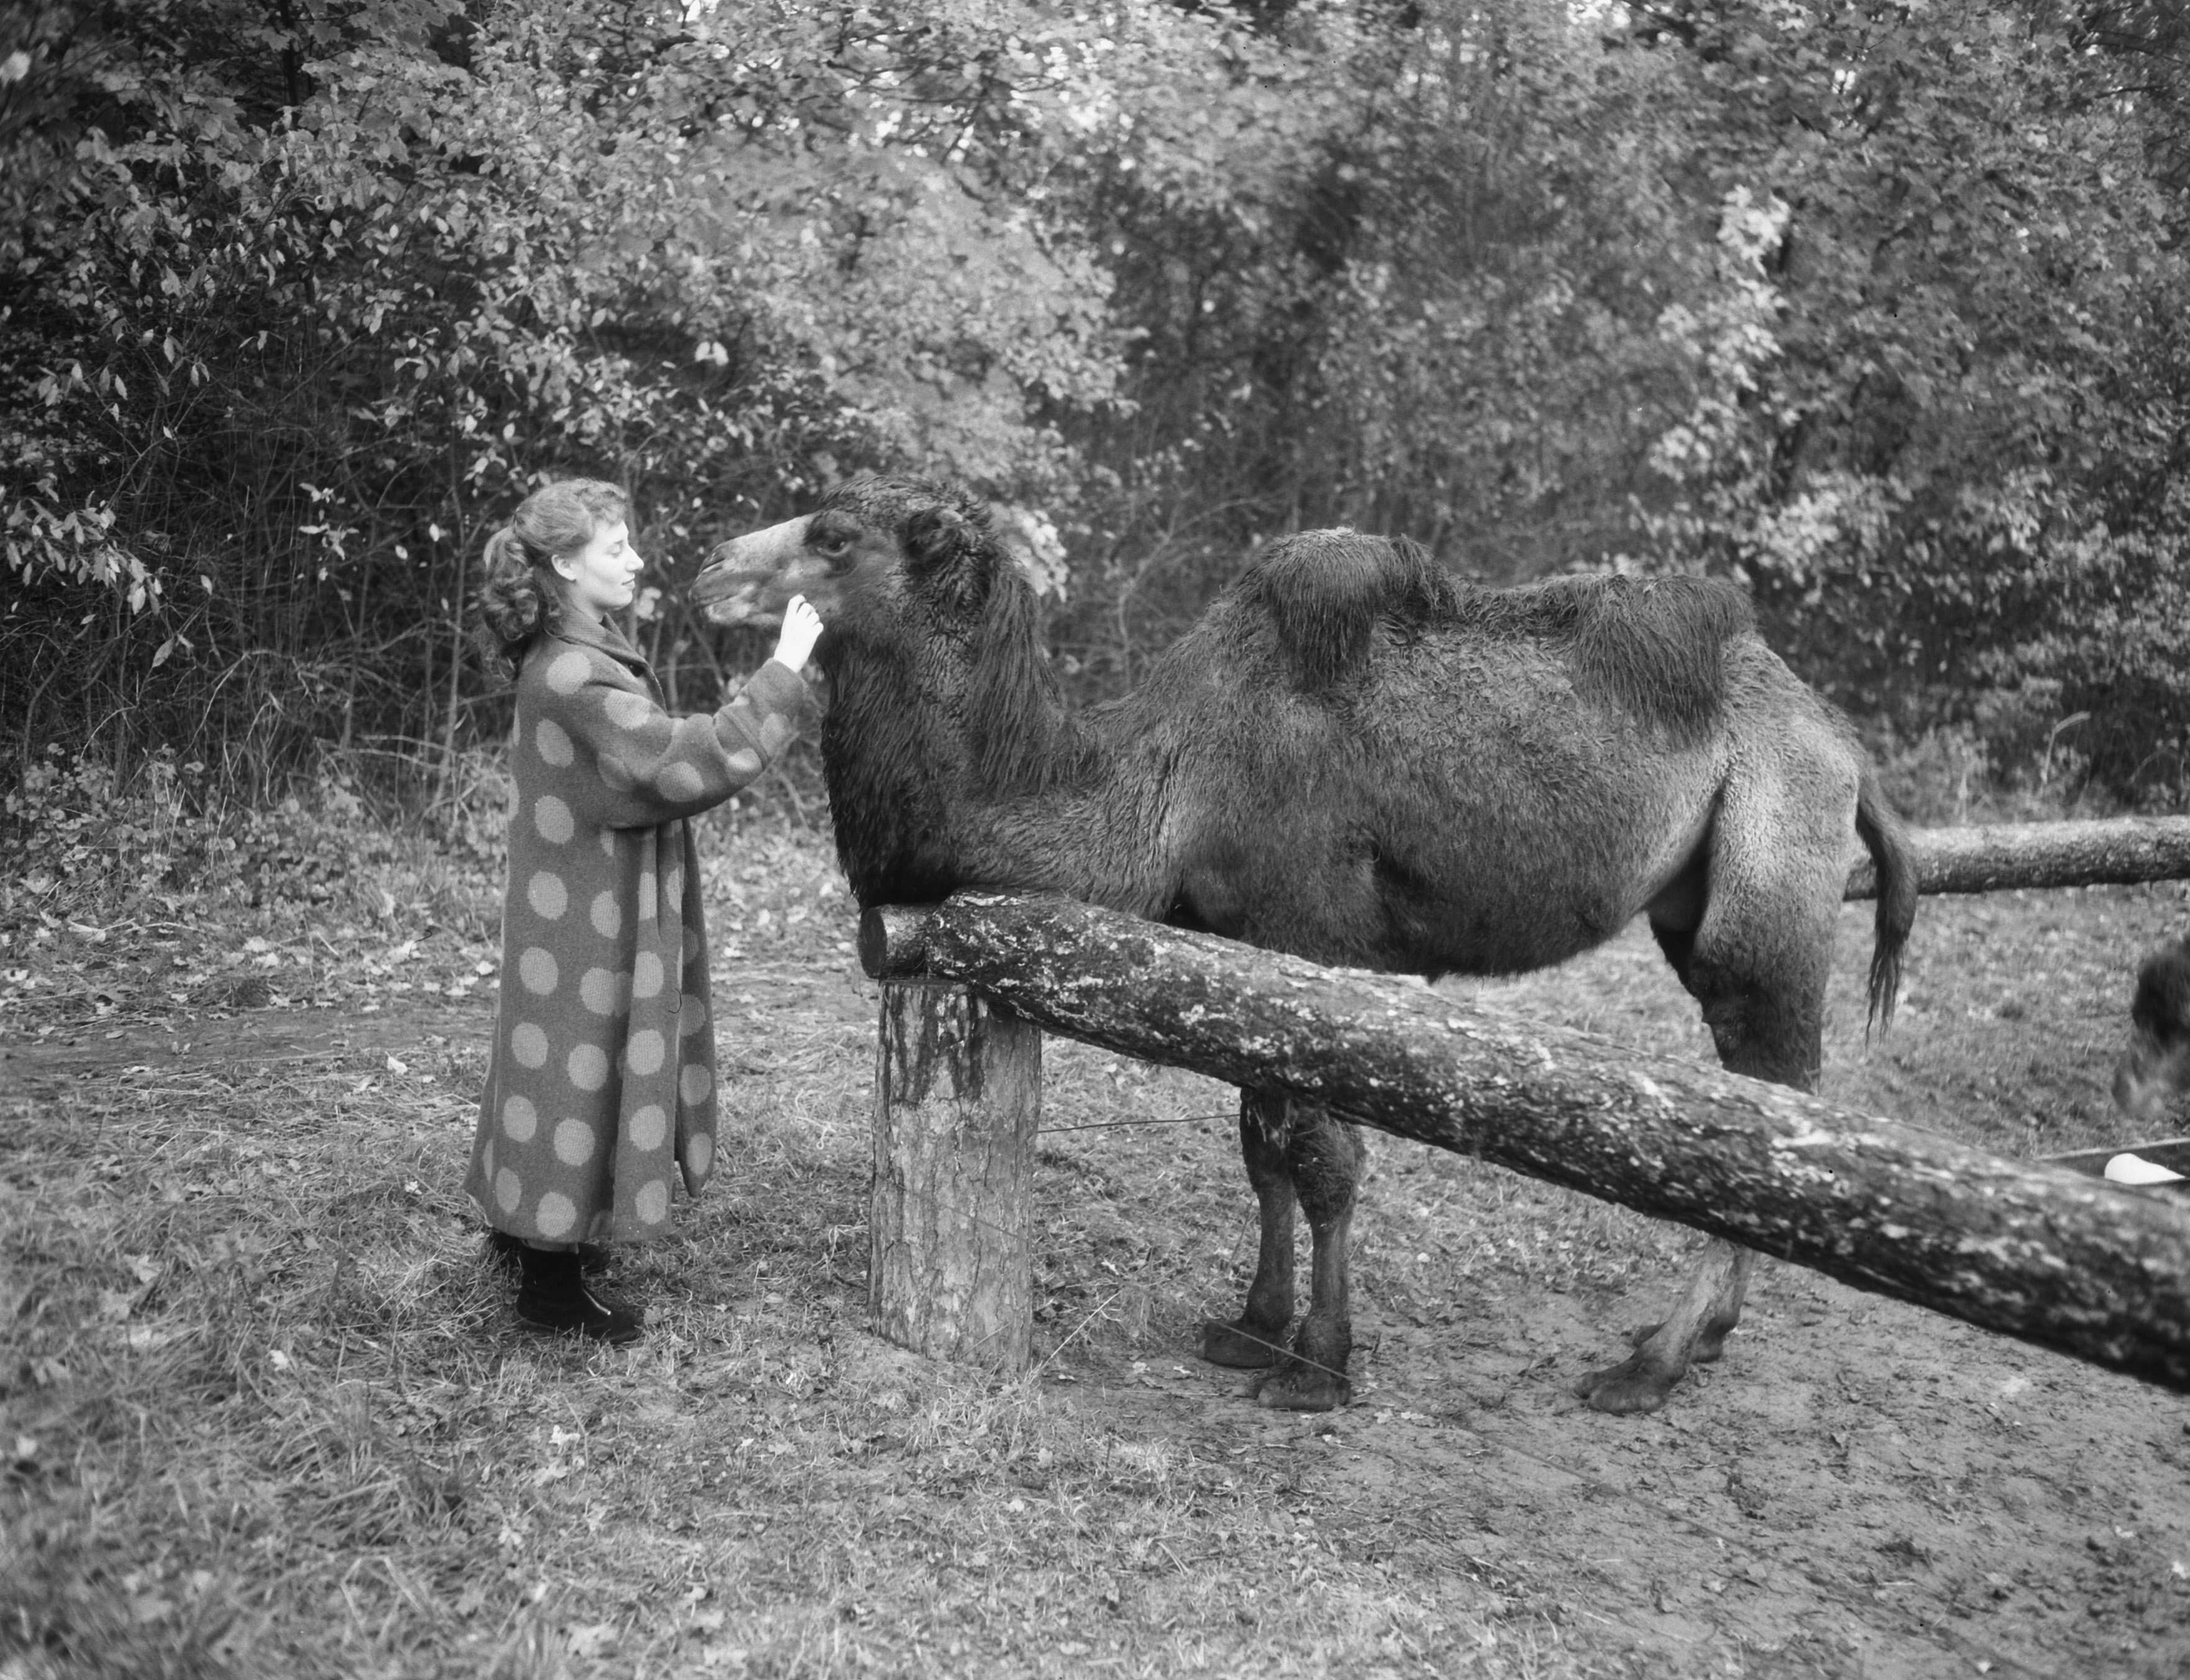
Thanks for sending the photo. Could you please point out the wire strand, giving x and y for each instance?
(1158, 1120)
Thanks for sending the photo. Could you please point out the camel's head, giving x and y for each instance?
(873, 548)
(2157, 1063)
(912, 571)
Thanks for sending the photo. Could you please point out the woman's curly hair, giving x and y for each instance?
(524, 597)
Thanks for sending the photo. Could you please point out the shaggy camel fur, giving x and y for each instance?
(2156, 1066)
(1355, 759)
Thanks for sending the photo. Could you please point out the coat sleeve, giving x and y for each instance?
(651, 767)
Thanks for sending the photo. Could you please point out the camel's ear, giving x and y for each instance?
(935, 538)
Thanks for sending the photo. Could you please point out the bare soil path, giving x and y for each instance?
(29, 1063)
(29, 1066)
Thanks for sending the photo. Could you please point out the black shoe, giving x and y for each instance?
(505, 1249)
(554, 1294)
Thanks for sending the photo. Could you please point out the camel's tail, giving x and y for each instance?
(1887, 841)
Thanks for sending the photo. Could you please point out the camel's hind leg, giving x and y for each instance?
(1295, 1150)
(1256, 1337)
(1324, 1155)
(1756, 961)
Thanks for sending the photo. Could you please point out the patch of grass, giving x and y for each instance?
(268, 1415)
(267, 1412)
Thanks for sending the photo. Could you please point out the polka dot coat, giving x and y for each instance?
(601, 1092)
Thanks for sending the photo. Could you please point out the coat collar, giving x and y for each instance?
(604, 636)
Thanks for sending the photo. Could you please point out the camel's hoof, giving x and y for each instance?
(1235, 1345)
(1710, 1341)
(1710, 1344)
(1633, 1385)
(1302, 1388)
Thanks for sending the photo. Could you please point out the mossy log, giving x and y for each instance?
(957, 1101)
(2031, 1250)
(1997, 856)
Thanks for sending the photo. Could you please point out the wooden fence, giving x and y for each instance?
(2026, 1248)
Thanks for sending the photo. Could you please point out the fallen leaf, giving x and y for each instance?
(593, 1638)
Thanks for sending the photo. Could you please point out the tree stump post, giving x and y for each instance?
(957, 1101)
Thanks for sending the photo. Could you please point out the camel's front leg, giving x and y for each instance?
(1256, 1337)
(1324, 1156)
(1695, 1332)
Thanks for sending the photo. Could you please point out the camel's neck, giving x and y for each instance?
(935, 784)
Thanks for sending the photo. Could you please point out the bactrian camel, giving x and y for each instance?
(2155, 1068)
(1357, 759)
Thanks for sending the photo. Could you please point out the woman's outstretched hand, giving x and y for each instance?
(802, 629)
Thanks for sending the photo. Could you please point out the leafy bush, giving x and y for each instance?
(1951, 474)
(81, 841)
(279, 359)
(1872, 307)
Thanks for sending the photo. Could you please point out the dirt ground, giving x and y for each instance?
(1861, 1488)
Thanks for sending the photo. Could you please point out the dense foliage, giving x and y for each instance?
(1868, 303)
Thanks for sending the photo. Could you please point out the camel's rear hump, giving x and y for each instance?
(1653, 648)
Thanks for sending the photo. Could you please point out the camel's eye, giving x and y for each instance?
(834, 544)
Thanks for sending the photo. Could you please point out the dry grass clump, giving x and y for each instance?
(206, 1283)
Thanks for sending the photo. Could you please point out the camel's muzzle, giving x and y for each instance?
(730, 600)
(733, 586)
(728, 586)
(2149, 1074)
(2137, 1094)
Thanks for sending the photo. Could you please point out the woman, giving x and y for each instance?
(601, 1095)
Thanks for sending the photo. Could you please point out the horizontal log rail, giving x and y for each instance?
(2115, 851)
(2027, 1249)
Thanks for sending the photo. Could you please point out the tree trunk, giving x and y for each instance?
(958, 1099)
(2031, 1250)
(1991, 858)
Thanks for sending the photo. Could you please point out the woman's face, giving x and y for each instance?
(604, 575)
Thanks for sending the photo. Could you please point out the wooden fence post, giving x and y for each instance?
(957, 1100)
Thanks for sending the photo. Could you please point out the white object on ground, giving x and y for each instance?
(2135, 1169)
